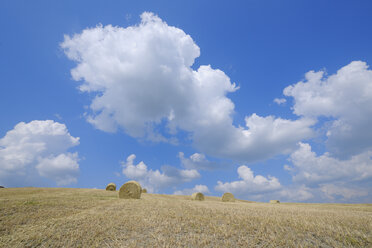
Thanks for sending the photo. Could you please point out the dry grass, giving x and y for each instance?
(45, 217)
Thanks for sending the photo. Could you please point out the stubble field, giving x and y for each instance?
(54, 217)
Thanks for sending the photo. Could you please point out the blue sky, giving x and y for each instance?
(84, 85)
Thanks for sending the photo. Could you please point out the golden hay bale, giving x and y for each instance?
(274, 201)
(144, 190)
(130, 190)
(228, 197)
(197, 196)
(111, 187)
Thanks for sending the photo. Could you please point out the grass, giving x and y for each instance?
(51, 217)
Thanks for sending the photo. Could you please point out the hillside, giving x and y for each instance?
(55, 217)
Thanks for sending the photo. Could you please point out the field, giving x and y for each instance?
(54, 217)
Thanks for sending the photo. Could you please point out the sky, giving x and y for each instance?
(264, 99)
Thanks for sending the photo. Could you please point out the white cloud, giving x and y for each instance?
(326, 192)
(343, 173)
(333, 192)
(198, 188)
(280, 101)
(35, 150)
(310, 169)
(326, 178)
(250, 185)
(265, 137)
(142, 79)
(156, 180)
(345, 98)
(295, 193)
(63, 168)
(142, 82)
(198, 161)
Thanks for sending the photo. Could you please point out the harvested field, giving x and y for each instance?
(54, 217)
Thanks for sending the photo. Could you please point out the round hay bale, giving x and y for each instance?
(130, 190)
(111, 187)
(228, 197)
(274, 201)
(197, 196)
(144, 190)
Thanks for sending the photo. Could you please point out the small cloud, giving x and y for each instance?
(198, 188)
(296, 193)
(154, 180)
(58, 116)
(332, 191)
(287, 167)
(280, 101)
(249, 184)
(312, 169)
(199, 161)
(128, 17)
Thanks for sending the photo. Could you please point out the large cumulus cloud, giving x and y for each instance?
(141, 78)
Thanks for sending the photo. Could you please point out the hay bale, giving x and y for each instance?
(197, 196)
(274, 201)
(144, 190)
(130, 190)
(111, 187)
(228, 197)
